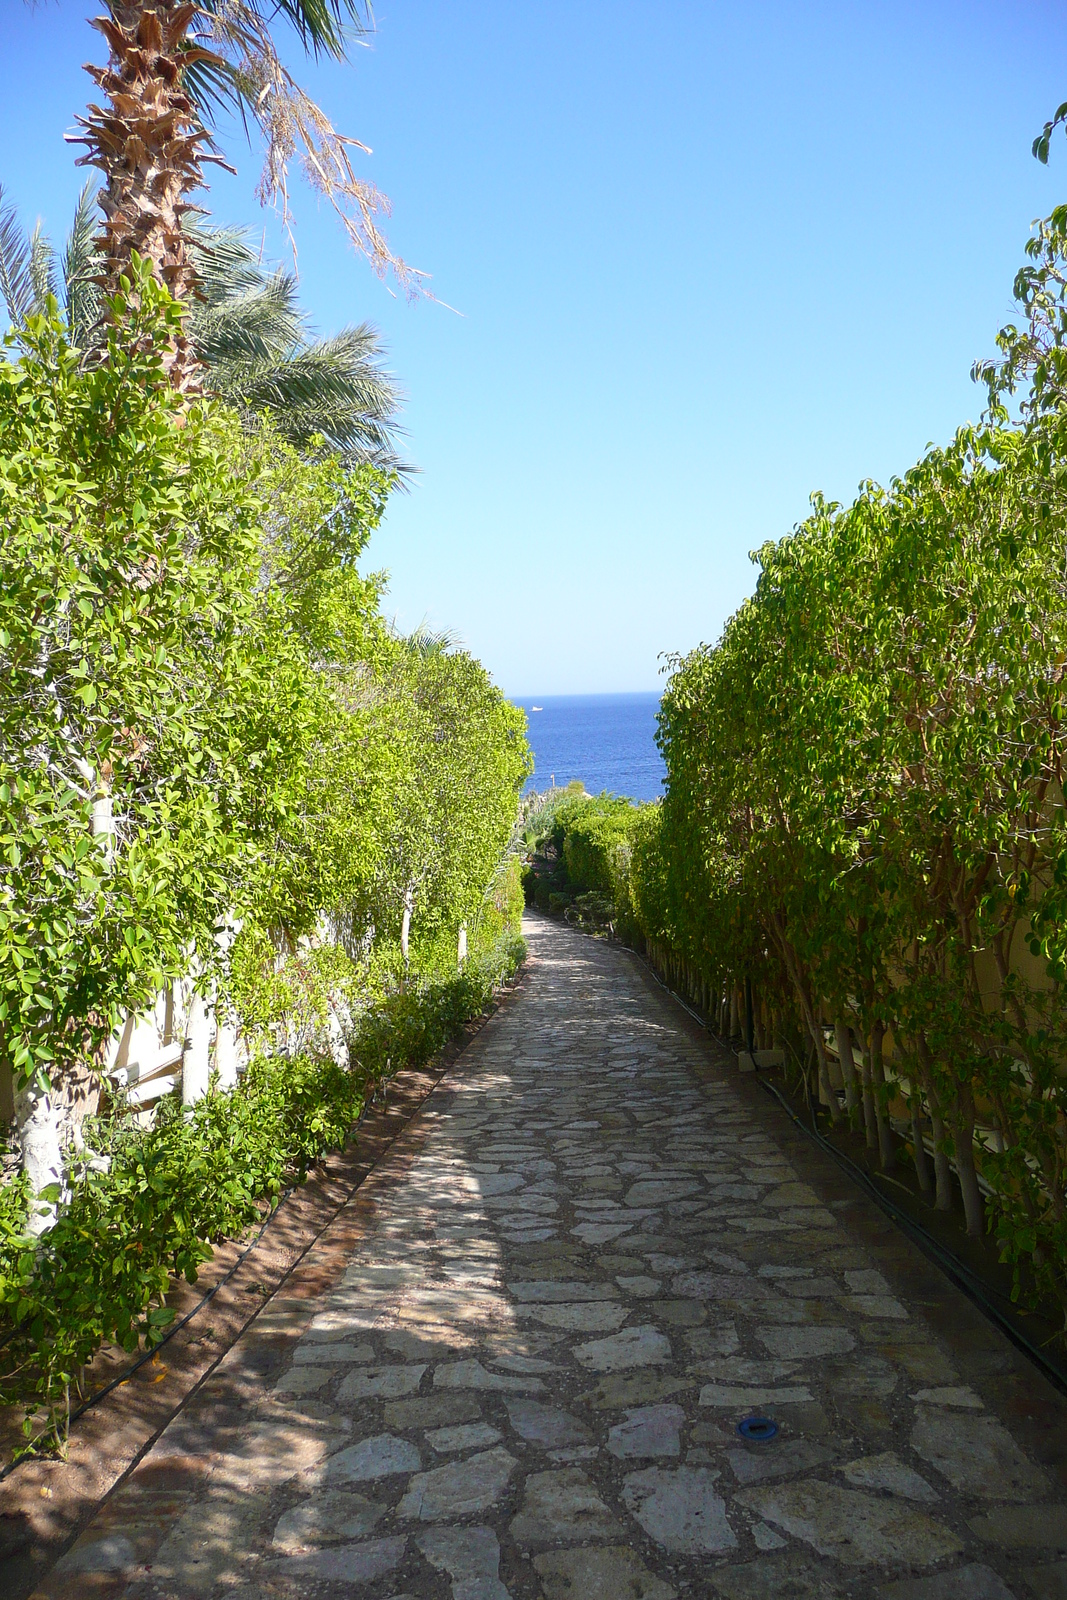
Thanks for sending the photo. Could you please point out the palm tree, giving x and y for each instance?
(245, 329)
(151, 140)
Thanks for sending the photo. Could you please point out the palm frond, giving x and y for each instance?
(257, 323)
(330, 388)
(324, 28)
(424, 641)
(16, 281)
(225, 261)
(81, 268)
(42, 268)
(253, 339)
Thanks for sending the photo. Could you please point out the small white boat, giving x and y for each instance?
(537, 708)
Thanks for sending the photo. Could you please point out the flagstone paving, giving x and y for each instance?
(597, 1256)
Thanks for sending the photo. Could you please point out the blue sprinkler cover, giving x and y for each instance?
(758, 1429)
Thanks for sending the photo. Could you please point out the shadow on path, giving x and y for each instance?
(594, 1252)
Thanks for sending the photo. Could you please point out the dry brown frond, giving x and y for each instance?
(295, 128)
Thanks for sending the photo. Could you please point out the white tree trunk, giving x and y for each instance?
(39, 1117)
(226, 1054)
(405, 926)
(196, 1061)
(461, 953)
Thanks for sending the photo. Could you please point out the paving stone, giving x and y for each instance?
(552, 1290)
(876, 1305)
(431, 1411)
(336, 1353)
(778, 1458)
(632, 1389)
(678, 1313)
(470, 1556)
(860, 1376)
(325, 1518)
(801, 1342)
(1024, 1527)
(590, 1317)
(380, 1457)
(380, 1383)
(888, 1472)
(114, 1553)
(461, 1489)
(856, 1529)
(973, 1582)
(790, 1577)
(746, 1369)
(648, 1431)
(546, 1425)
(977, 1455)
(924, 1363)
(210, 1542)
(472, 1375)
(1046, 1582)
(610, 1573)
(349, 1563)
(948, 1395)
(562, 1505)
(727, 1396)
(469, 1436)
(641, 1287)
(634, 1347)
(867, 1282)
(525, 1364)
(303, 1380)
(600, 1232)
(654, 1191)
(587, 1164)
(680, 1509)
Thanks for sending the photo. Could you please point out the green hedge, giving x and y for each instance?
(581, 849)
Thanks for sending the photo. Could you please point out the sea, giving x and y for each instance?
(608, 741)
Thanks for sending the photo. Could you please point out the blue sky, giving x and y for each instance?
(708, 257)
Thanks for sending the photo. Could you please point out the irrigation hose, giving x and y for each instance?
(949, 1263)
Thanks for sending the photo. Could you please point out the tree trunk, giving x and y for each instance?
(39, 1118)
(886, 1153)
(827, 1092)
(922, 1160)
(146, 142)
(870, 1120)
(461, 946)
(196, 1060)
(843, 1040)
(405, 925)
(942, 1170)
(963, 1138)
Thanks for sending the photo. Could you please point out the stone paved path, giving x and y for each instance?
(596, 1256)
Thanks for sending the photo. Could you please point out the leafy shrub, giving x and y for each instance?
(582, 845)
(865, 817)
(148, 1206)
